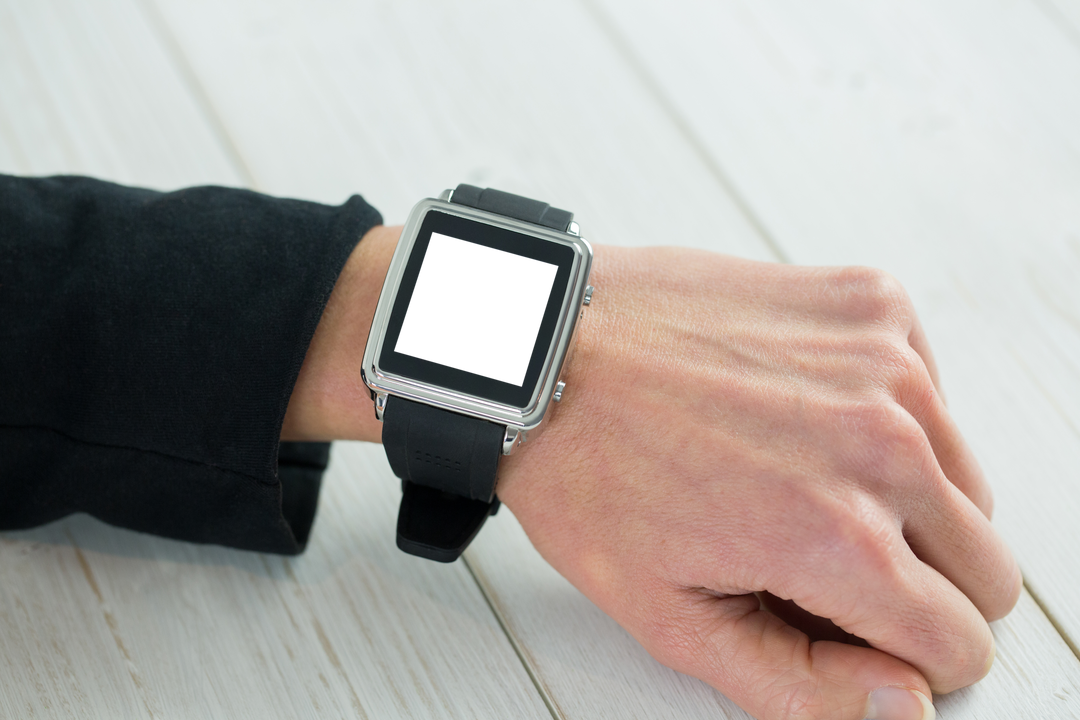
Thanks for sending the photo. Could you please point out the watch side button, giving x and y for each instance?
(588, 296)
(557, 396)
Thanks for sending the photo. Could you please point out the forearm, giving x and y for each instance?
(330, 400)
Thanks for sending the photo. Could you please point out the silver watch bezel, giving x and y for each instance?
(518, 421)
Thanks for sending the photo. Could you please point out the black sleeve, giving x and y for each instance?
(149, 343)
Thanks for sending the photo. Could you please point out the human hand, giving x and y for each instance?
(732, 427)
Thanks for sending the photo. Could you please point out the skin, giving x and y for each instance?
(752, 470)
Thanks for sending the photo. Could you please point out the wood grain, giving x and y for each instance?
(401, 99)
(128, 625)
(89, 89)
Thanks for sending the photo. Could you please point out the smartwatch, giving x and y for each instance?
(465, 352)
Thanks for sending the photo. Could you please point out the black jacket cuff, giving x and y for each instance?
(151, 342)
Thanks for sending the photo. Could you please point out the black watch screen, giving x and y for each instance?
(477, 308)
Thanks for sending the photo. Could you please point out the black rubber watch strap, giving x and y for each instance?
(510, 205)
(441, 449)
(438, 525)
(448, 464)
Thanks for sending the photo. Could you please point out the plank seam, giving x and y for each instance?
(623, 47)
(1059, 19)
(1043, 390)
(197, 91)
(1053, 620)
(549, 701)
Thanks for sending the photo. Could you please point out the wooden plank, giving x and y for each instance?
(351, 629)
(406, 93)
(88, 89)
(938, 140)
(60, 657)
(398, 100)
(108, 623)
(1066, 14)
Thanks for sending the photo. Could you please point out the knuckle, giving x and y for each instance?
(853, 532)
(900, 367)
(908, 381)
(889, 437)
(868, 541)
(872, 294)
(888, 421)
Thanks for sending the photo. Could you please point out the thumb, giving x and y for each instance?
(773, 671)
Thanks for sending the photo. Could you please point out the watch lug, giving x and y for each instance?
(380, 405)
(514, 436)
(573, 229)
(446, 194)
(557, 395)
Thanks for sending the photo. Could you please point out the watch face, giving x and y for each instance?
(476, 309)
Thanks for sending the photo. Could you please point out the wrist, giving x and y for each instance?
(330, 400)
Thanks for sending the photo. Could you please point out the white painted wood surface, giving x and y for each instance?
(398, 100)
(323, 99)
(1066, 14)
(100, 622)
(90, 89)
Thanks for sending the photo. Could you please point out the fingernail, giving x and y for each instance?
(899, 703)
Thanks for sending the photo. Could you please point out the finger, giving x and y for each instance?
(774, 671)
(870, 583)
(946, 531)
(946, 502)
(816, 628)
(954, 455)
(918, 342)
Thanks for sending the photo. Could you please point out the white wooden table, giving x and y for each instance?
(939, 139)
